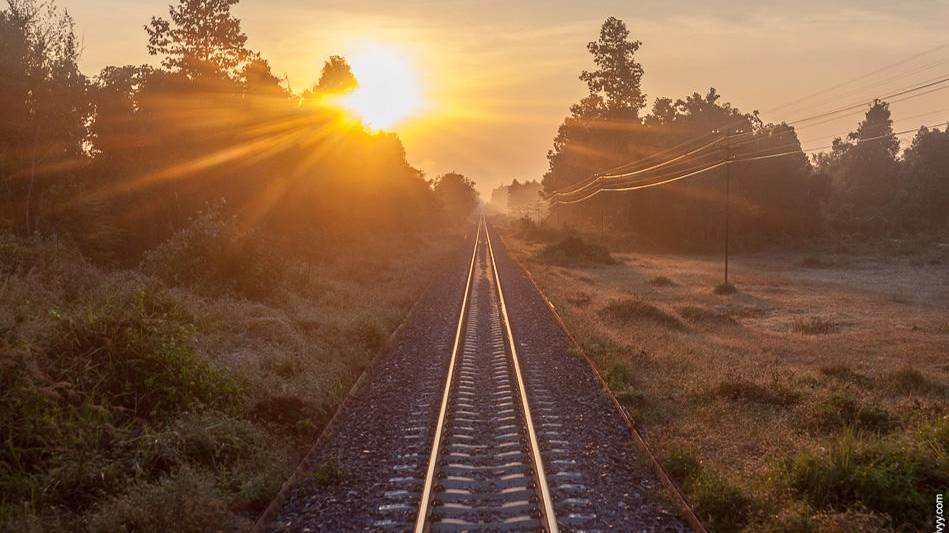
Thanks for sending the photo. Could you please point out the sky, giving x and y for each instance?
(498, 77)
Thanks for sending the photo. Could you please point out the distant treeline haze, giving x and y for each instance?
(863, 186)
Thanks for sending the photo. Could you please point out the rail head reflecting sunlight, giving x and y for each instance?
(388, 91)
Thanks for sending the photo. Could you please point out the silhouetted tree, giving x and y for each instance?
(45, 110)
(201, 38)
(614, 86)
(335, 78)
(924, 203)
(457, 195)
(865, 173)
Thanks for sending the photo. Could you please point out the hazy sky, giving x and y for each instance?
(499, 76)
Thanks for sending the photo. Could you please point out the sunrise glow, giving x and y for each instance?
(389, 90)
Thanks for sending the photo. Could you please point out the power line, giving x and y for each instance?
(747, 158)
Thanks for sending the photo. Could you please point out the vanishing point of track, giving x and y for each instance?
(485, 470)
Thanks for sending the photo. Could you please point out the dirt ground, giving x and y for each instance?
(811, 350)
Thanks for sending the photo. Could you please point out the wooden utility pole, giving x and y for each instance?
(728, 175)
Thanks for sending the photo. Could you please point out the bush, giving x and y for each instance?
(214, 256)
(661, 281)
(574, 251)
(723, 506)
(134, 355)
(327, 473)
(185, 501)
(682, 464)
(911, 381)
(696, 314)
(630, 310)
(842, 410)
(725, 288)
(896, 479)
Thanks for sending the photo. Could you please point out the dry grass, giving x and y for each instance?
(129, 404)
(765, 396)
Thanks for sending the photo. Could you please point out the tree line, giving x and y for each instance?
(123, 160)
(863, 186)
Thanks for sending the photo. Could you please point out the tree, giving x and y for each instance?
(865, 174)
(603, 126)
(925, 199)
(335, 78)
(45, 108)
(615, 85)
(202, 38)
(457, 195)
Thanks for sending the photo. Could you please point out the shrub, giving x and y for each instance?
(630, 310)
(135, 355)
(661, 281)
(723, 506)
(575, 251)
(327, 473)
(842, 410)
(289, 413)
(911, 381)
(214, 256)
(185, 501)
(887, 477)
(696, 314)
(682, 464)
(725, 288)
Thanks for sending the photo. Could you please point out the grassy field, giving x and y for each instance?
(178, 396)
(814, 398)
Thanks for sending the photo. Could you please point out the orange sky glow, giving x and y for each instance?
(482, 86)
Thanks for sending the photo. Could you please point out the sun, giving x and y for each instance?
(388, 90)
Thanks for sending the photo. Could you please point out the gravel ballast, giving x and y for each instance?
(369, 473)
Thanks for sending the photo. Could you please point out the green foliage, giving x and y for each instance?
(201, 38)
(134, 355)
(626, 311)
(842, 410)
(682, 464)
(574, 251)
(186, 501)
(456, 194)
(723, 506)
(700, 315)
(724, 289)
(213, 256)
(327, 473)
(894, 478)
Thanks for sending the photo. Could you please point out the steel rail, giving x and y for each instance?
(426, 499)
(549, 516)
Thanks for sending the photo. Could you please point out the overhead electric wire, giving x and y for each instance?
(637, 172)
(746, 158)
(908, 92)
(865, 102)
(858, 78)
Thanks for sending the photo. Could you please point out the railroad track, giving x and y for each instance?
(464, 427)
(485, 470)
